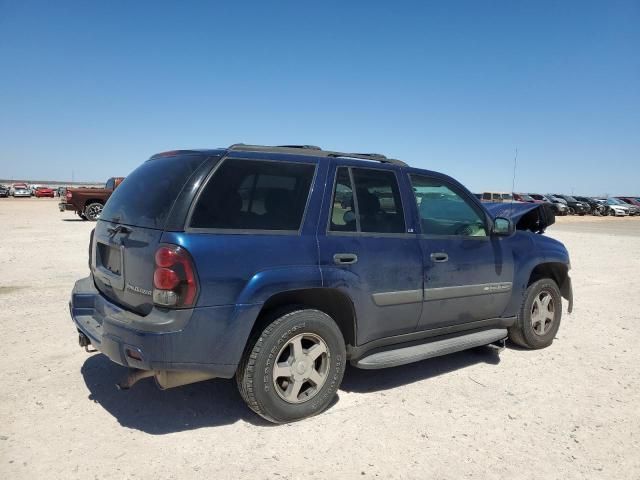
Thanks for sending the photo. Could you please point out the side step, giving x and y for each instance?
(415, 353)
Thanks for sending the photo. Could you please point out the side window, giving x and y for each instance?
(111, 184)
(254, 195)
(496, 197)
(443, 211)
(486, 196)
(343, 216)
(379, 209)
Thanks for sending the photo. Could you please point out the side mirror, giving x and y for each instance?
(502, 226)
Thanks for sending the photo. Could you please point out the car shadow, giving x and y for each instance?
(367, 381)
(72, 220)
(217, 402)
(157, 412)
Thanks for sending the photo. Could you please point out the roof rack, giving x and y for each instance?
(317, 151)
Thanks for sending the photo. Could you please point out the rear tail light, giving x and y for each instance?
(175, 284)
(68, 195)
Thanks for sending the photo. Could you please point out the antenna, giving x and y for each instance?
(513, 181)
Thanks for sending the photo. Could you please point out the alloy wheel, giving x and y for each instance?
(542, 313)
(93, 211)
(301, 368)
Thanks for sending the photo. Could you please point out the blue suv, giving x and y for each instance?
(281, 264)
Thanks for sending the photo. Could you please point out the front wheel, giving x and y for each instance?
(539, 316)
(93, 211)
(293, 369)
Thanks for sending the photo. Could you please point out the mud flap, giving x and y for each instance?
(567, 292)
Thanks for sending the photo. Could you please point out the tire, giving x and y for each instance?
(529, 331)
(273, 396)
(93, 211)
(612, 212)
(572, 211)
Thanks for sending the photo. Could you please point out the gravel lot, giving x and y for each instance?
(570, 411)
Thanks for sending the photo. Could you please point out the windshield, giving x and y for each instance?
(146, 196)
(570, 199)
(526, 198)
(614, 201)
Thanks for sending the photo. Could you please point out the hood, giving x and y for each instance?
(535, 217)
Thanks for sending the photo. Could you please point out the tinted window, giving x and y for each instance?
(496, 196)
(146, 196)
(255, 195)
(343, 217)
(444, 211)
(486, 196)
(379, 208)
(111, 184)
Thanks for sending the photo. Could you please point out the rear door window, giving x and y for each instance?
(255, 195)
(146, 196)
(376, 208)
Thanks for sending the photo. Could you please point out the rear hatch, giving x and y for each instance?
(130, 228)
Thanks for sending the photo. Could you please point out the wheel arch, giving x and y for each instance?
(559, 273)
(331, 301)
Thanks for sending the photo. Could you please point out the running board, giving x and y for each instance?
(434, 348)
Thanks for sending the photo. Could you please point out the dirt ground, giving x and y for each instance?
(570, 411)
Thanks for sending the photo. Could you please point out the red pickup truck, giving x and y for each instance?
(88, 202)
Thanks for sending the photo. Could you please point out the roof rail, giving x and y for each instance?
(368, 156)
(305, 147)
(317, 151)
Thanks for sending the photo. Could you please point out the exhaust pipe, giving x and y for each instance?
(176, 378)
(133, 378)
(164, 378)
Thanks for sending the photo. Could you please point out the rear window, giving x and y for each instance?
(146, 195)
(254, 195)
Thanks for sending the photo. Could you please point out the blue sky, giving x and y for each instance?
(97, 87)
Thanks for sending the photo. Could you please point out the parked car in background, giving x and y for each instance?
(21, 190)
(632, 201)
(523, 197)
(616, 208)
(4, 191)
(89, 202)
(210, 264)
(496, 197)
(592, 203)
(575, 207)
(633, 209)
(44, 192)
(17, 186)
(559, 207)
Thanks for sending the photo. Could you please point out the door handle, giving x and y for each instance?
(345, 258)
(439, 257)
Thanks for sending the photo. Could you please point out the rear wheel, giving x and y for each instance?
(539, 316)
(293, 368)
(93, 211)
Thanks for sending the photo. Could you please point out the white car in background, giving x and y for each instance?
(21, 192)
(615, 207)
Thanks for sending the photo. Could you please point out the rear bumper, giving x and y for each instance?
(208, 339)
(65, 206)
